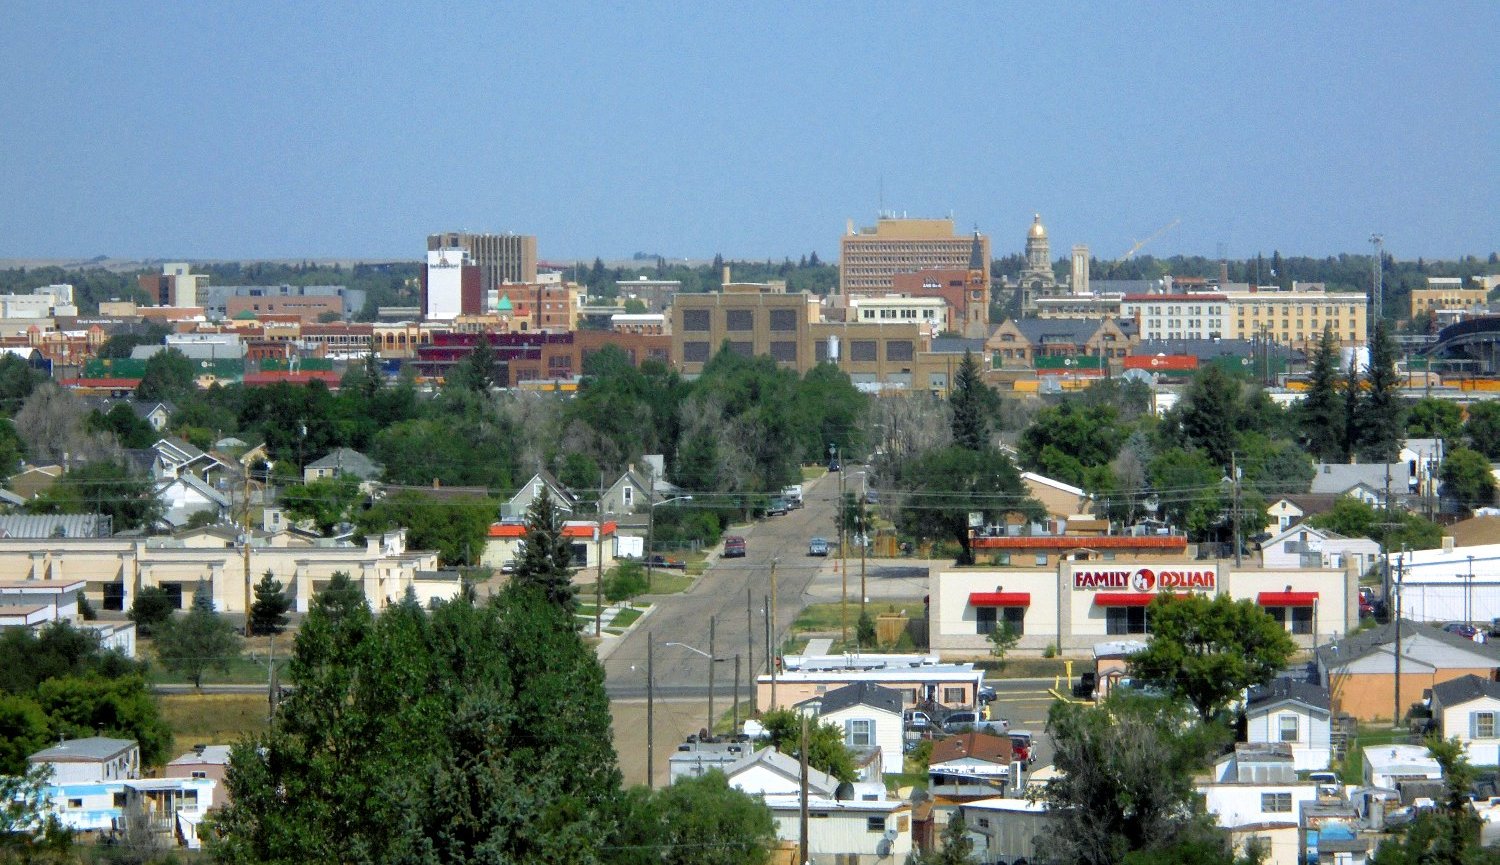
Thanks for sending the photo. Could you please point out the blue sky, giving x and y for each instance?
(268, 130)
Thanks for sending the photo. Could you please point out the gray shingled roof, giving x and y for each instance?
(1369, 642)
(1339, 477)
(1282, 690)
(1075, 330)
(1464, 689)
(349, 461)
(957, 345)
(867, 693)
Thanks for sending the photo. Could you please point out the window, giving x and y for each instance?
(119, 801)
(1302, 620)
(628, 496)
(1125, 620)
(75, 804)
(1276, 803)
(1483, 726)
(859, 732)
(874, 824)
(695, 319)
(984, 620)
(1015, 619)
(784, 351)
(1041, 558)
(199, 773)
(739, 319)
(898, 349)
(862, 350)
(955, 695)
(743, 348)
(695, 352)
(1288, 725)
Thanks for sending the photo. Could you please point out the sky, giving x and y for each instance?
(757, 130)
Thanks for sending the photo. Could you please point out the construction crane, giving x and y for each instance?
(1154, 235)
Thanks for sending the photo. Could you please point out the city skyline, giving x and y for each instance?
(345, 132)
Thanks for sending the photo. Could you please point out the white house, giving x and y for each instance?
(562, 499)
(1387, 764)
(91, 760)
(1467, 709)
(870, 717)
(1305, 546)
(1295, 714)
(186, 494)
(970, 759)
(1006, 830)
(1256, 797)
(769, 772)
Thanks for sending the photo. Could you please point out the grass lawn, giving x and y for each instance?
(1354, 758)
(626, 617)
(828, 618)
(212, 719)
(669, 582)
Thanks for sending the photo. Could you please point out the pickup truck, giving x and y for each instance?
(664, 562)
(792, 495)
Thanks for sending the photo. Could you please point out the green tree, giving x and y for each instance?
(1002, 640)
(326, 501)
(455, 527)
(128, 428)
(200, 641)
(693, 821)
(91, 705)
(17, 381)
(943, 486)
(970, 405)
(1431, 417)
(624, 581)
(955, 847)
(268, 613)
(825, 742)
(1191, 494)
(23, 731)
(1211, 413)
(1067, 440)
(1450, 833)
(1382, 414)
(864, 630)
(1125, 779)
(29, 829)
(1320, 415)
(169, 375)
(1468, 478)
(1393, 529)
(545, 559)
(478, 372)
(106, 488)
(1207, 651)
(152, 608)
(1483, 428)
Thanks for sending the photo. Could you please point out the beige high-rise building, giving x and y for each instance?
(1296, 317)
(871, 256)
(1080, 281)
(501, 257)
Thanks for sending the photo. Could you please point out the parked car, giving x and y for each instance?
(659, 561)
(967, 720)
(793, 495)
(1020, 747)
(777, 507)
(986, 693)
(817, 547)
(917, 721)
(835, 466)
(1463, 629)
(734, 547)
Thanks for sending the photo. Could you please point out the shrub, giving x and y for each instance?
(152, 607)
(624, 581)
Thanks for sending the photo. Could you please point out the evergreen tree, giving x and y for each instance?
(268, 612)
(1382, 414)
(1353, 406)
(1320, 416)
(970, 424)
(545, 560)
(476, 373)
(1211, 412)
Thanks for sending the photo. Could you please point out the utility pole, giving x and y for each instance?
(712, 622)
(599, 555)
(802, 847)
(249, 620)
(1396, 716)
(750, 656)
(736, 708)
(773, 650)
(1234, 467)
(838, 517)
(863, 530)
(650, 711)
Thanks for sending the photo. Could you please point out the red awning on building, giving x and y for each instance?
(1286, 599)
(1124, 599)
(1000, 599)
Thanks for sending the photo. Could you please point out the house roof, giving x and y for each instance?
(88, 750)
(1475, 531)
(958, 345)
(348, 461)
(1463, 689)
(201, 486)
(1285, 691)
(180, 448)
(1074, 330)
(1312, 503)
(818, 781)
(216, 755)
(54, 526)
(1340, 477)
(862, 693)
(971, 746)
(560, 492)
(1376, 640)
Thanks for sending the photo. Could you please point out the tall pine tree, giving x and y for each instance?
(546, 559)
(1321, 414)
(1382, 415)
(1353, 405)
(967, 399)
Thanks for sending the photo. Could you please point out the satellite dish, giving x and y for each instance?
(844, 792)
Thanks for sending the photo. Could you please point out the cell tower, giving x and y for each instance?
(1377, 298)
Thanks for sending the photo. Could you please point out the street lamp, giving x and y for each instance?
(650, 528)
(713, 660)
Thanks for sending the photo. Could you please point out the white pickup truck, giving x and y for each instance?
(792, 495)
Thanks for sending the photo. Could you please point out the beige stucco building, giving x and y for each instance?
(116, 568)
(871, 256)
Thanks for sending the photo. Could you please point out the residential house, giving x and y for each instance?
(94, 759)
(590, 548)
(693, 758)
(870, 717)
(1295, 714)
(1365, 481)
(1254, 795)
(1007, 830)
(1424, 461)
(563, 500)
(1305, 546)
(970, 759)
(1287, 511)
(342, 461)
(1359, 669)
(156, 413)
(204, 761)
(631, 492)
(32, 480)
(176, 457)
(186, 494)
(1385, 765)
(1466, 709)
(849, 824)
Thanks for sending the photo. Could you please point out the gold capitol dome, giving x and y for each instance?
(1038, 230)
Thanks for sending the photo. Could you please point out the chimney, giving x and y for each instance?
(726, 273)
(1447, 543)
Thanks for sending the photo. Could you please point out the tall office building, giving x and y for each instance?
(176, 285)
(1080, 279)
(870, 257)
(450, 285)
(500, 257)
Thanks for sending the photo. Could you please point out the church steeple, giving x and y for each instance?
(976, 253)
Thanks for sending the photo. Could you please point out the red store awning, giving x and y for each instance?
(1286, 599)
(1000, 599)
